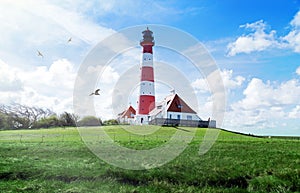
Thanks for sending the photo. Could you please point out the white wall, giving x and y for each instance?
(182, 115)
(147, 59)
(147, 88)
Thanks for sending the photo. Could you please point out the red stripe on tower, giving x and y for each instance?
(147, 96)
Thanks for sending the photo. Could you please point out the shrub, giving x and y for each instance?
(89, 121)
(110, 122)
(47, 122)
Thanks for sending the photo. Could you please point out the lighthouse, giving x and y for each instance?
(146, 101)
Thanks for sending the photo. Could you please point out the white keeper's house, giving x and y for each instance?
(173, 107)
(173, 110)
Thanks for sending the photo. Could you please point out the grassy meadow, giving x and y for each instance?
(57, 160)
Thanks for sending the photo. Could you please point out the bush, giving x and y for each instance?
(4, 124)
(111, 122)
(47, 122)
(89, 121)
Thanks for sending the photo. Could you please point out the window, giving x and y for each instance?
(189, 117)
(170, 116)
(178, 116)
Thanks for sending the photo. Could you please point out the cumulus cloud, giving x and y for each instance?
(230, 82)
(9, 80)
(298, 71)
(257, 40)
(260, 38)
(201, 85)
(259, 94)
(293, 37)
(295, 113)
(265, 104)
(45, 87)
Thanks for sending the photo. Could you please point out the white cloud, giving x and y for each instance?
(230, 82)
(298, 71)
(257, 40)
(46, 26)
(43, 21)
(201, 85)
(293, 40)
(214, 102)
(296, 20)
(57, 80)
(265, 105)
(9, 80)
(45, 87)
(295, 113)
(293, 37)
(259, 94)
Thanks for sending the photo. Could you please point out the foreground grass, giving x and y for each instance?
(56, 160)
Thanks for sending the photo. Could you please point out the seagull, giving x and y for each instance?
(96, 92)
(172, 91)
(40, 54)
(70, 40)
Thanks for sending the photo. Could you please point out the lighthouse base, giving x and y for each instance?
(141, 119)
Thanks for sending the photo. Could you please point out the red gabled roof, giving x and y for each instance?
(176, 104)
(130, 112)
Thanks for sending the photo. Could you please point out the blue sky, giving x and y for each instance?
(256, 45)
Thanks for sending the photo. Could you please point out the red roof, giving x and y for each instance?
(176, 104)
(130, 112)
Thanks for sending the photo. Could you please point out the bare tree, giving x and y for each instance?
(68, 119)
(22, 116)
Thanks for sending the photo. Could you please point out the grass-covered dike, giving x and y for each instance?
(57, 160)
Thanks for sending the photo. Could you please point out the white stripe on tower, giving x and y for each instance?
(147, 95)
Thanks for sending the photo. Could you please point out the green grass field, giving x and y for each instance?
(57, 160)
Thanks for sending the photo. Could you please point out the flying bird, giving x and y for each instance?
(69, 40)
(96, 92)
(40, 54)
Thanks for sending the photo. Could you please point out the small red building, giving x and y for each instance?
(127, 116)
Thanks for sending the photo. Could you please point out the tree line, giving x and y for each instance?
(17, 116)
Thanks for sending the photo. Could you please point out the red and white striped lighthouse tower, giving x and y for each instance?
(147, 96)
